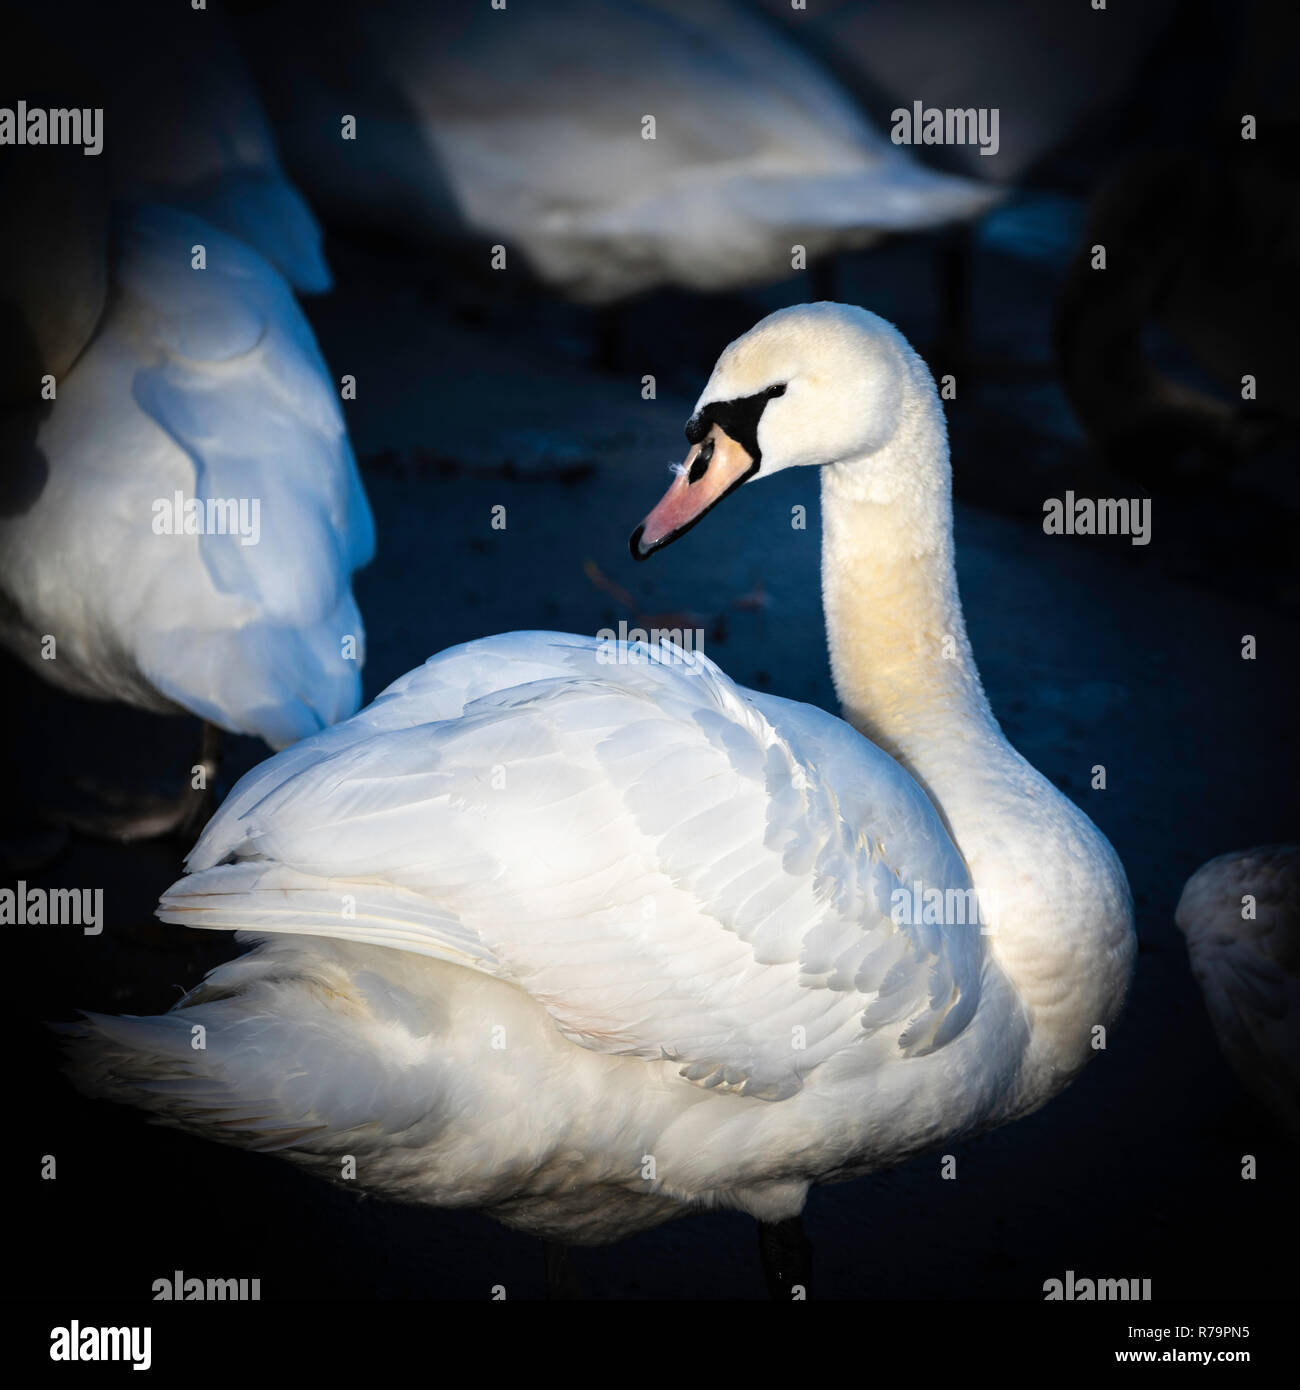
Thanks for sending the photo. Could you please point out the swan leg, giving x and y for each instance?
(128, 817)
(787, 1258)
(561, 1274)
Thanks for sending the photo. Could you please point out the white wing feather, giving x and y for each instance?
(205, 384)
(235, 379)
(669, 869)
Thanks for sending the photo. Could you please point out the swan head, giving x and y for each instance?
(814, 384)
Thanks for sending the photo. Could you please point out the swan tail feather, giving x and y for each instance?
(272, 1051)
(258, 896)
(157, 1065)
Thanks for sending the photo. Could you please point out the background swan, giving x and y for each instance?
(588, 939)
(525, 126)
(206, 383)
(1246, 959)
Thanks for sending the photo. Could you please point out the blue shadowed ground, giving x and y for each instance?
(1092, 653)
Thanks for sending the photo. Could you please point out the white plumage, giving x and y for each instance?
(207, 383)
(1240, 914)
(529, 127)
(630, 864)
(586, 938)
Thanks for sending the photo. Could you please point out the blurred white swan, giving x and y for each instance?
(198, 384)
(1240, 914)
(589, 939)
(527, 126)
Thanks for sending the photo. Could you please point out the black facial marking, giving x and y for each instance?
(702, 460)
(738, 418)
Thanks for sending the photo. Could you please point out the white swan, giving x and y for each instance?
(528, 127)
(202, 384)
(589, 939)
(1240, 914)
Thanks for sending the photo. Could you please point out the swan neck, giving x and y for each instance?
(1055, 900)
(900, 656)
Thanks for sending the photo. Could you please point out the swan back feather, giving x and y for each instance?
(206, 383)
(670, 872)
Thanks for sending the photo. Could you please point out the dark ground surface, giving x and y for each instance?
(1092, 653)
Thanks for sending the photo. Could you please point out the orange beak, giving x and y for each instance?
(714, 467)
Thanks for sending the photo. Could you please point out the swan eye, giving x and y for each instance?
(701, 464)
